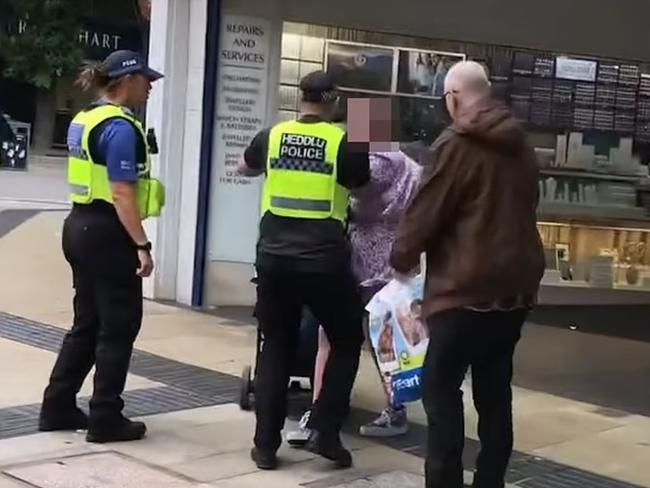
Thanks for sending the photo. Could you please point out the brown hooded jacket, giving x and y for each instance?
(475, 214)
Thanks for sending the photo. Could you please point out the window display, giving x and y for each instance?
(360, 67)
(424, 72)
(588, 118)
(362, 71)
(598, 257)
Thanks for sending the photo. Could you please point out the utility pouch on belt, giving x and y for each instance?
(151, 197)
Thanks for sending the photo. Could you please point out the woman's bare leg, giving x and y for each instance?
(321, 362)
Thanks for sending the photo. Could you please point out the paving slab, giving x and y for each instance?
(622, 453)
(26, 371)
(549, 428)
(105, 470)
(189, 419)
(163, 449)
(6, 482)
(383, 480)
(42, 446)
(221, 437)
(31, 260)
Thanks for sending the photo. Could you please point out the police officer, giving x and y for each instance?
(304, 260)
(107, 248)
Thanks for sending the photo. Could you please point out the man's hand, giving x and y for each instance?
(146, 264)
(244, 170)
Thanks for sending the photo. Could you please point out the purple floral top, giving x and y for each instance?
(375, 213)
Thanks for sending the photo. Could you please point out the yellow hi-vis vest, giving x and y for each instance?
(301, 180)
(89, 181)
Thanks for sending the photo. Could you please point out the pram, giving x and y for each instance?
(302, 370)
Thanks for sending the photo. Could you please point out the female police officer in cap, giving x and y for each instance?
(107, 248)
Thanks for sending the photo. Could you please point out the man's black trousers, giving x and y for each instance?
(485, 341)
(335, 301)
(107, 315)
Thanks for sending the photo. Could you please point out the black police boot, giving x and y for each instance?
(266, 460)
(122, 431)
(51, 420)
(330, 447)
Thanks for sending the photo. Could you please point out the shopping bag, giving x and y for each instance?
(399, 337)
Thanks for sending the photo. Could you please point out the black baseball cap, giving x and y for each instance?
(318, 87)
(122, 63)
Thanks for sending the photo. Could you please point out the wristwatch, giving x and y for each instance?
(144, 247)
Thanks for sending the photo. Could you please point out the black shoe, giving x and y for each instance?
(330, 447)
(266, 460)
(73, 420)
(123, 431)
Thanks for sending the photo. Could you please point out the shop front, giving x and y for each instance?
(98, 40)
(50, 111)
(578, 77)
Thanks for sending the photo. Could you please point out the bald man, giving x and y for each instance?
(475, 218)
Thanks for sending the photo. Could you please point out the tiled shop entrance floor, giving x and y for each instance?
(108, 470)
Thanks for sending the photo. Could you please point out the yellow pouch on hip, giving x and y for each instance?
(151, 197)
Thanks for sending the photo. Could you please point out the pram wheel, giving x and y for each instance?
(246, 389)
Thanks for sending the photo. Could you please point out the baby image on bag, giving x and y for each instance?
(399, 337)
(386, 344)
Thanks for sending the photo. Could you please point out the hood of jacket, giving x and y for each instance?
(492, 123)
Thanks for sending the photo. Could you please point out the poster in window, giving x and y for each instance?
(360, 67)
(423, 72)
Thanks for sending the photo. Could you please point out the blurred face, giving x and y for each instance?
(370, 121)
(137, 87)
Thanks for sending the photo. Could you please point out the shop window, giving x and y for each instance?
(301, 55)
(289, 72)
(588, 118)
(289, 98)
(580, 255)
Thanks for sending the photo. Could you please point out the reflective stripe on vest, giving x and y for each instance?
(79, 190)
(302, 172)
(301, 204)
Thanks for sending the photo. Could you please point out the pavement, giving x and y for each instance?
(42, 186)
(582, 401)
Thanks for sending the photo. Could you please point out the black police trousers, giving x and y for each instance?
(107, 314)
(335, 302)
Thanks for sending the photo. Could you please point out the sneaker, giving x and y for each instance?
(265, 460)
(300, 436)
(330, 448)
(74, 420)
(392, 422)
(124, 431)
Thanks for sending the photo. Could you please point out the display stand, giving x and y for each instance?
(14, 155)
